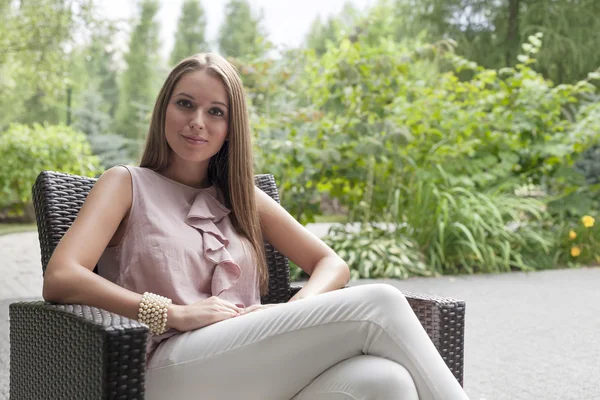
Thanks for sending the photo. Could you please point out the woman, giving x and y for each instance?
(178, 243)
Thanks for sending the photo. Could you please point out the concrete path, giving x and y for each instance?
(528, 336)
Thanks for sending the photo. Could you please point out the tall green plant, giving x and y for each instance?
(35, 37)
(189, 38)
(463, 230)
(139, 82)
(241, 34)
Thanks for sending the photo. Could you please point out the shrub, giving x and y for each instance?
(375, 251)
(25, 151)
(460, 229)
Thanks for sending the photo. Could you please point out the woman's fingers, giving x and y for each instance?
(229, 305)
(257, 307)
(223, 314)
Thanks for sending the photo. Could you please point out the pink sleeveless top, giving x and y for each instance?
(180, 243)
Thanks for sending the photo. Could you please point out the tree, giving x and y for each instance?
(34, 38)
(321, 33)
(241, 34)
(90, 117)
(571, 31)
(189, 38)
(93, 70)
(139, 81)
(102, 68)
(491, 32)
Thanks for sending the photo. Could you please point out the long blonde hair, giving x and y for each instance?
(231, 169)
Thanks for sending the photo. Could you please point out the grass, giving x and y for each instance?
(6, 229)
(331, 218)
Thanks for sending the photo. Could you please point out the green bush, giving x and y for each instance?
(377, 112)
(462, 230)
(375, 251)
(27, 150)
(414, 135)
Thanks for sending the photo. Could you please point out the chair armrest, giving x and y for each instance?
(75, 352)
(444, 321)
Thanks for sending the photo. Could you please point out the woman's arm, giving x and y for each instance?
(69, 276)
(326, 269)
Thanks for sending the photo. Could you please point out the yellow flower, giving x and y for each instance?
(588, 221)
(572, 235)
(575, 251)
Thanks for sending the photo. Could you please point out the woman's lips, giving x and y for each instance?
(195, 140)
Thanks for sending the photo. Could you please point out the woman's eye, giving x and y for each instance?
(184, 103)
(216, 111)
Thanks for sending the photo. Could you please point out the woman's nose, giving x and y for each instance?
(197, 121)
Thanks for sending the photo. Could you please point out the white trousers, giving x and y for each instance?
(363, 342)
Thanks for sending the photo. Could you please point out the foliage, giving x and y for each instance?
(372, 113)
(333, 30)
(26, 151)
(93, 69)
(376, 252)
(139, 83)
(90, 118)
(34, 38)
(461, 230)
(443, 149)
(111, 149)
(241, 34)
(589, 164)
(189, 38)
(579, 241)
(442, 119)
(488, 32)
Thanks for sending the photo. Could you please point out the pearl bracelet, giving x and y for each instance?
(153, 312)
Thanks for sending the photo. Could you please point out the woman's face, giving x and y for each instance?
(197, 116)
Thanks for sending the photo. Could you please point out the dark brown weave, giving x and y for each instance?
(76, 352)
(81, 352)
(444, 320)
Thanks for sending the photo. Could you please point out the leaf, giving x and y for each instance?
(594, 75)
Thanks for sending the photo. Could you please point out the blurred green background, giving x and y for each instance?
(457, 136)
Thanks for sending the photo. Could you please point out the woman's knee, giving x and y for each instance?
(383, 379)
(386, 297)
(363, 377)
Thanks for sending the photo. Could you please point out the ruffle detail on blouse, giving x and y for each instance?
(204, 213)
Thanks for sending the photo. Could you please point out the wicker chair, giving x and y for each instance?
(80, 352)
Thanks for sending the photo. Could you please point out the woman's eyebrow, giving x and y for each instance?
(186, 95)
(220, 102)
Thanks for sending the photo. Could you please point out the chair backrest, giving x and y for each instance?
(58, 197)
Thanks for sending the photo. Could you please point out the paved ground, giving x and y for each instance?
(528, 336)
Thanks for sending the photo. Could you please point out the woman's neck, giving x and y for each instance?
(189, 174)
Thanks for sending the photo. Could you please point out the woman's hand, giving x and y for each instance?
(200, 314)
(257, 307)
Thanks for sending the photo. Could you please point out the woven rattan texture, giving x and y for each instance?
(279, 269)
(444, 321)
(57, 199)
(74, 352)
